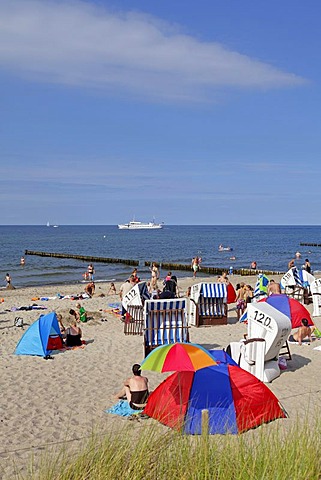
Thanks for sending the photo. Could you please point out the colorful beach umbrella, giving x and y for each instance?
(290, 307)
(178, 357)
(236, 400)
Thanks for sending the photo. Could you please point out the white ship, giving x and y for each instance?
(134, 225)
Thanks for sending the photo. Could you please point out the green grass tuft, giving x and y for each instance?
(147, 453)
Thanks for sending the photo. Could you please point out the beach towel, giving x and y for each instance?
(123, 409)
(29, 307)
(304, 342)
(114, 305)
(114, 309)
(64, 348)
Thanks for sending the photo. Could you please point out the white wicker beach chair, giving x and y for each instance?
(268, 330)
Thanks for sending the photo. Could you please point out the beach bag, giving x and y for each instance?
(283, 363)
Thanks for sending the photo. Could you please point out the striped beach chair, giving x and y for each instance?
(133, 303)
(165, 322)
(296, 284)
(316, 297)
(208, 304)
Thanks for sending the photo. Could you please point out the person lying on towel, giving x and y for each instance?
(135, 389)
(303, 332)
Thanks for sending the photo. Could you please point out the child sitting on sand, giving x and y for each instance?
(61, 325)
(75, 314)
(82, 313)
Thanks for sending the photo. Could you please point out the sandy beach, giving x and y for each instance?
(46, 402)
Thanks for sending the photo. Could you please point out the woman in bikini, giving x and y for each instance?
(73, 335)
(135, 389)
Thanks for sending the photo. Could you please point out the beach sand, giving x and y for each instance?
(47, 402)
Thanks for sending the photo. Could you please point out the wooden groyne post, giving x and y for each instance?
(214, 270)
(85, 258)
(303, 244)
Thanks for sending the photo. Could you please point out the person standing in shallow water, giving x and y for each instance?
(8, 280)
(90, 272)
(307, 265)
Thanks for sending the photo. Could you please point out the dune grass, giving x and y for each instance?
(146, 453)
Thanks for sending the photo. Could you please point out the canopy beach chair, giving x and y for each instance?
(296, 284)
(133, 303)
(208, 305)
(165, 322)
(268, 330)
(316, 297)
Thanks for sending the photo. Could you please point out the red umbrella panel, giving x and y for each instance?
(231, 294)
(290, 307)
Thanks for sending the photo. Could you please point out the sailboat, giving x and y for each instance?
(48, 224)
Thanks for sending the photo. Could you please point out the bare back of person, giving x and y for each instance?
(302, 333)
(135, 389)
(274, 288)
(137, 384)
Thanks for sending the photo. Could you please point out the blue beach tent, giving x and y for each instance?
(41, 337)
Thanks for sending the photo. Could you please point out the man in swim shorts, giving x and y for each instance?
(90, 289)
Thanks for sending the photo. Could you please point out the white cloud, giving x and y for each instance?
(76, 43)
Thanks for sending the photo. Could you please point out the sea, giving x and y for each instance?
(270, 246)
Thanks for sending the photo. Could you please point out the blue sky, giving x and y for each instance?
(202, 112)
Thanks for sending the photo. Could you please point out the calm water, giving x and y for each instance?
(271, 246)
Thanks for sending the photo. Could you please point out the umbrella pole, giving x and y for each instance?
(180, 397)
